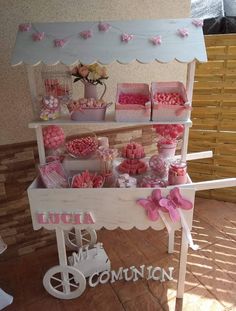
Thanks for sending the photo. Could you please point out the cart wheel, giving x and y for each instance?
(64, 282)
(76, 238)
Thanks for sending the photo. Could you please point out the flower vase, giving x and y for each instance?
(90, 90)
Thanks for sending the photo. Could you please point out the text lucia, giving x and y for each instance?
(132, 274)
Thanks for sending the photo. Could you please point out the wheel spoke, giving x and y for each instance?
(86, 240)
(60, 285)
(56, 279)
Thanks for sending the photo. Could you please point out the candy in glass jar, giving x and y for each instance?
(177, 173)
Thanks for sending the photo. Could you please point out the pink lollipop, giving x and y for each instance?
(53, 136)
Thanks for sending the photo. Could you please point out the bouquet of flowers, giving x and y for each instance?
(94, 74)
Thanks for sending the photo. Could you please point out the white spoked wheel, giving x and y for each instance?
(76, 238)
(64, 282)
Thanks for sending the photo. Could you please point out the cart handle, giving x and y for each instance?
(212, 184)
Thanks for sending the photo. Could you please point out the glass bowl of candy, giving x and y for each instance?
(83, 146)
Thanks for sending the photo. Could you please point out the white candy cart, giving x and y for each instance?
(181, 40)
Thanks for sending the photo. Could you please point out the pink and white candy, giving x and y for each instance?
(159, 166)
(53, 136)
(169, 131)
(81, 147)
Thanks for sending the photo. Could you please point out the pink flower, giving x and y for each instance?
(156, 40)
(125, 37)
(83, 71)
(183, 32)
(25, 27)
(60, 42)
(197, 22)
(38, 36)
(104, 26)
(86, 34)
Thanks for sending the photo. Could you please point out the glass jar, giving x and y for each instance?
(177, 173)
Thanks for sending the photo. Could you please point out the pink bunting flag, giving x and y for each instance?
(183, 32)
(102, 26)
(197, 22)
(86, 34)
(59, 43)
(25, 27)
(156, 40)
(38, 36)
(125, 37)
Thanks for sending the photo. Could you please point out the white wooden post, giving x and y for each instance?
(33, 88)
(189, 90)
(184, 149)
(61, 249)
(41, 149)
(171, 241)
(190, 80)
(182, 265)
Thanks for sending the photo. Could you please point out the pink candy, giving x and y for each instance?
(135, 99)
(82, 147)
(87, 180)
(169, 131)
(133, 151)
(158, 165)
(169, 98)
(132, 167)
(53, 136)
(80, 104)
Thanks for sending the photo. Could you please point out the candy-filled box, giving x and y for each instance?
(169, 102)
(133, 102)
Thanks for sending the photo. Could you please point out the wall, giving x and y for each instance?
(15, 103)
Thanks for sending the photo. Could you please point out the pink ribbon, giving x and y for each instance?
(60, 42)
(104, 26)
(86, 34)
(156, 40)
(170, 204)
(38, 36)
(125, 37)
(181, 109)
(25, 27)
(197, 22)
(183, 32)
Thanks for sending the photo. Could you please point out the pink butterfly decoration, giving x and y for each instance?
(38, 36)
(197, 22)
(125, 37)
(151, 204)
(156, 40)
(86, 34)
(60, 42)
(183, 32)
(173, 201)
(170, 204)
(104, 26)
(25, 27)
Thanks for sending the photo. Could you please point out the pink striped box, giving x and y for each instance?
(132, 112)
(164, 112)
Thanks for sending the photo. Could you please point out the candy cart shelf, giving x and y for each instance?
(109, 121)
(110, 207)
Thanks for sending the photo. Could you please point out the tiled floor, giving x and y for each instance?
(210, 281)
